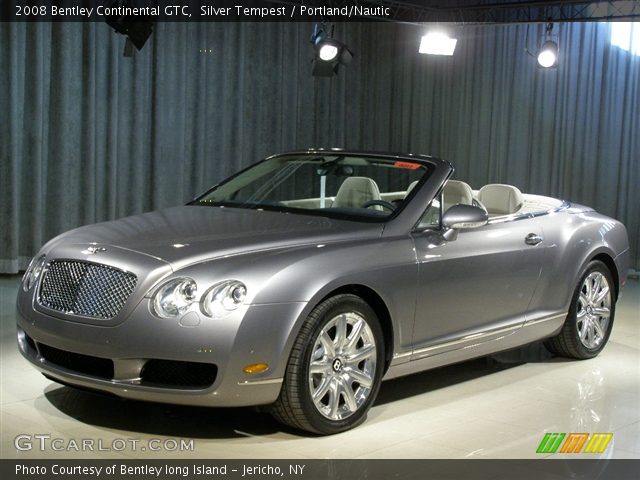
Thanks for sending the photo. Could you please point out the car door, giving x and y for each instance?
(475, 288)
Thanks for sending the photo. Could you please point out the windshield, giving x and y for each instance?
(355, 187)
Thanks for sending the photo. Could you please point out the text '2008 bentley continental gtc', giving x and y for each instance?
(303, 281)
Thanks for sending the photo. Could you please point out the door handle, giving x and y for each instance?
(533, 239)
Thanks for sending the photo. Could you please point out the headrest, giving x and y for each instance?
(355, 191)
(500, 199)
(456, 192)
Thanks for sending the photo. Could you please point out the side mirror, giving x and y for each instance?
(461, 217)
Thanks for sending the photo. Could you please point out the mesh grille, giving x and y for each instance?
(155, 373)
(94, 366)
(87, 289)
(170, 373)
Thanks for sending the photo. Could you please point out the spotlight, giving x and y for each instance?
(548, 54)
(330, 53)
(437, 43)
(137, 31)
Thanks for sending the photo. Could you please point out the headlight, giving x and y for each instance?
(33, 272)
(223, 298)
(175, 297)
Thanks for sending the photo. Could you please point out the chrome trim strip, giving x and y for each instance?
(398, 356)
(467, 338)
(477, 336)
(268, 381)
(546, 319)
(522, 216)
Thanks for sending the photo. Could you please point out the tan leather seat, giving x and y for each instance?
(456, 192)
(355, 192)
(500, 199)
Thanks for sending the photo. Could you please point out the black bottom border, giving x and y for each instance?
(538, 469)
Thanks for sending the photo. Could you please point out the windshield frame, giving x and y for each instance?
(422, 160)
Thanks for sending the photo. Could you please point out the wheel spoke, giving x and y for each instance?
(363, 353)
(334, 399)
(362, 378)
(582, 332)
(341, 332)
(602, 312)
(587, 284)
(320, 366)
(596, 287)
(327, 344)
(347, 394)
(322, 389)
(318, 352)
(602, 295)
(597, 328)
(591, 333)
(583, 299)
(355, 335)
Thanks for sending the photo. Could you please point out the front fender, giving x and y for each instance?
(572, 240)
(310, 273)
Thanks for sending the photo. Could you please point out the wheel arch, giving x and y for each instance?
(604, 255)
(567, 341)
(611, 265)
(376, 302)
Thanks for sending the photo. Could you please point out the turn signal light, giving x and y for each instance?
(256, 368)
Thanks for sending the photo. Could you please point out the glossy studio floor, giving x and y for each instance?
(496, 407)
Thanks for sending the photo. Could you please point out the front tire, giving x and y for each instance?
(335, 368)
(588, 325)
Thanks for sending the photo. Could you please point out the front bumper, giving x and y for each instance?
(253, 334)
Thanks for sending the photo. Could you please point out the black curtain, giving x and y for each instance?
(89, 135)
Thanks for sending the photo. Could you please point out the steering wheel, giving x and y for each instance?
(382, 203)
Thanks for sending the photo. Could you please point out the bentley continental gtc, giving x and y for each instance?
(303, 281)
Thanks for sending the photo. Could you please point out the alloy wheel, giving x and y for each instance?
(342, 367)
(593, 310)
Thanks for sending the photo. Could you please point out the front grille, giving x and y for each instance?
(85, 289)
(171, 373)
(76, 362)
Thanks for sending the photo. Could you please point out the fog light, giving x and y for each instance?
(256, 368)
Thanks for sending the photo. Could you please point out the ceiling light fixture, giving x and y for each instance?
(437, 43)
(136, 29)
(548, 53)
(329, 53)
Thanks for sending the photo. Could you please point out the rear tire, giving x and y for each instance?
(334, 372)
(588, 325)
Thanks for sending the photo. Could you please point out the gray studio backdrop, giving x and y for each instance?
(88, 135)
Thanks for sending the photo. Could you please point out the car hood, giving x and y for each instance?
(191, 234)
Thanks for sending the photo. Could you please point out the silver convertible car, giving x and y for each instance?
(303, 281)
